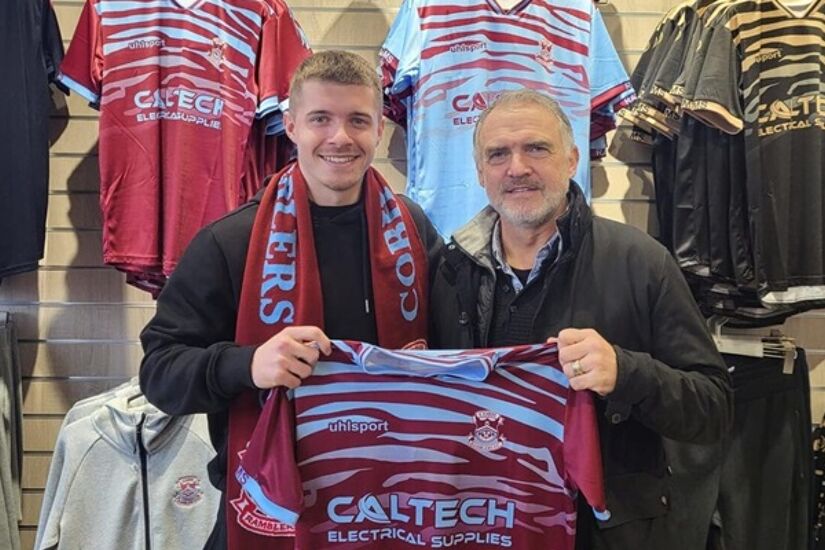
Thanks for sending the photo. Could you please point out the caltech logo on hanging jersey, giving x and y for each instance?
(471, 104)
(487, 434)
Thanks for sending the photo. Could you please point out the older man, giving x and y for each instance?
(537, 265)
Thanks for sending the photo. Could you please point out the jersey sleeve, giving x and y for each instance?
(282, 48)
(712, 92)
(52, 41)
(400, 60)
(82, 69)
(582, 453)
(610, 89)
(268, 471)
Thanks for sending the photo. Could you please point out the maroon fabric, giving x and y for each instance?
(282, 288)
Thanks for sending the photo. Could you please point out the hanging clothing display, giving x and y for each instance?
(731, 97)
(444, 62)
(766, 489)
(125, 475)
(11, 435)
(179, 85)
(405, 449)
(30, 52)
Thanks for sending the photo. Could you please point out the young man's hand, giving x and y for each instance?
(288, 357)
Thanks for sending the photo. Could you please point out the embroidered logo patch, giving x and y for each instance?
(188, 491)
(487, 434)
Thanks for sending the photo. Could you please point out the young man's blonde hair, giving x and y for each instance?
(338, 67)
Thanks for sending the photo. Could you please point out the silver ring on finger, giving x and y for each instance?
(577, 368)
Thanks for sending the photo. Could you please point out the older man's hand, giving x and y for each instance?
(588, 360)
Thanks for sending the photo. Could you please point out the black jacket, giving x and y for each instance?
(671, 381)
(191, 363)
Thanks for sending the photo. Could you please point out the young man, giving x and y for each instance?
(536, 264)
(325, 251)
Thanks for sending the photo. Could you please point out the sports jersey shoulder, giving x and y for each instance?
(428, 448)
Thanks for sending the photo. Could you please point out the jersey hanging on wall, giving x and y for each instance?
(400, 449)
(30, 51)
(178, 85)
(764, 75)
(444, 61)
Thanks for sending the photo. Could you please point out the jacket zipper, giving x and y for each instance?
(144, 482)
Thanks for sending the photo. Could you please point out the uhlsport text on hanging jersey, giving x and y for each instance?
(432, 449)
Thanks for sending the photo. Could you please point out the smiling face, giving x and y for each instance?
(525, 165)
(336, 128)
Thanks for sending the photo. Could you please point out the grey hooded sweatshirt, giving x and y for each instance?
(130, 477)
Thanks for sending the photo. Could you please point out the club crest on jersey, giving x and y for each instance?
(188, 492)
(251, 518)
(544, 56)
(487, 434)
(217, 55)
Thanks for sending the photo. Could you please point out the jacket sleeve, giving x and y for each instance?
(681, 389)
(190, 363)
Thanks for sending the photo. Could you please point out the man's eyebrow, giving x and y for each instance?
(326, 112)
(539, 143)
(496, 149)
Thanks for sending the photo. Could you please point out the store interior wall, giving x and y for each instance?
(79, 322)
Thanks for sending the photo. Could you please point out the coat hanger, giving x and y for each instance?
(776, 345)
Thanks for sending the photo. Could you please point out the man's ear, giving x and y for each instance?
(573, 162)
(381, 126)
(289, 125)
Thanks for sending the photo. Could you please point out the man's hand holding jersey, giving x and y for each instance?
(287, 358)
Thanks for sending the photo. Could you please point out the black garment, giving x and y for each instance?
(30, 52)
(671, 381)
(513, 313)
(191, 363)
(767, 485)
(340, 241)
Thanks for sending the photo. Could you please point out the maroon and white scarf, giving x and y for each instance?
(282, 288)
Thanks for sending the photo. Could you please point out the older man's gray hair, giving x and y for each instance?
(518, 98)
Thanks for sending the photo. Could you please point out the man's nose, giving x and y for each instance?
(518, 166)
(339, 135)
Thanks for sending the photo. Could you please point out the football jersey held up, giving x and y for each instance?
(399, 449)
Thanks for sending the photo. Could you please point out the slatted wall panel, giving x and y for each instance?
(79, 322)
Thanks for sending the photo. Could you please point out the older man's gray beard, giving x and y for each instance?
(534, 215)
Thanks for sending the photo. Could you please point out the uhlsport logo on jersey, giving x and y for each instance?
(188, 492)
(358, 426)
(768, 54)
(468, 47)
(487, 434)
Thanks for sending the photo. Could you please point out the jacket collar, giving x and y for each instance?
(475, 237)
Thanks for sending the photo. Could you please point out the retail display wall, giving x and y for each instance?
(79, 322)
